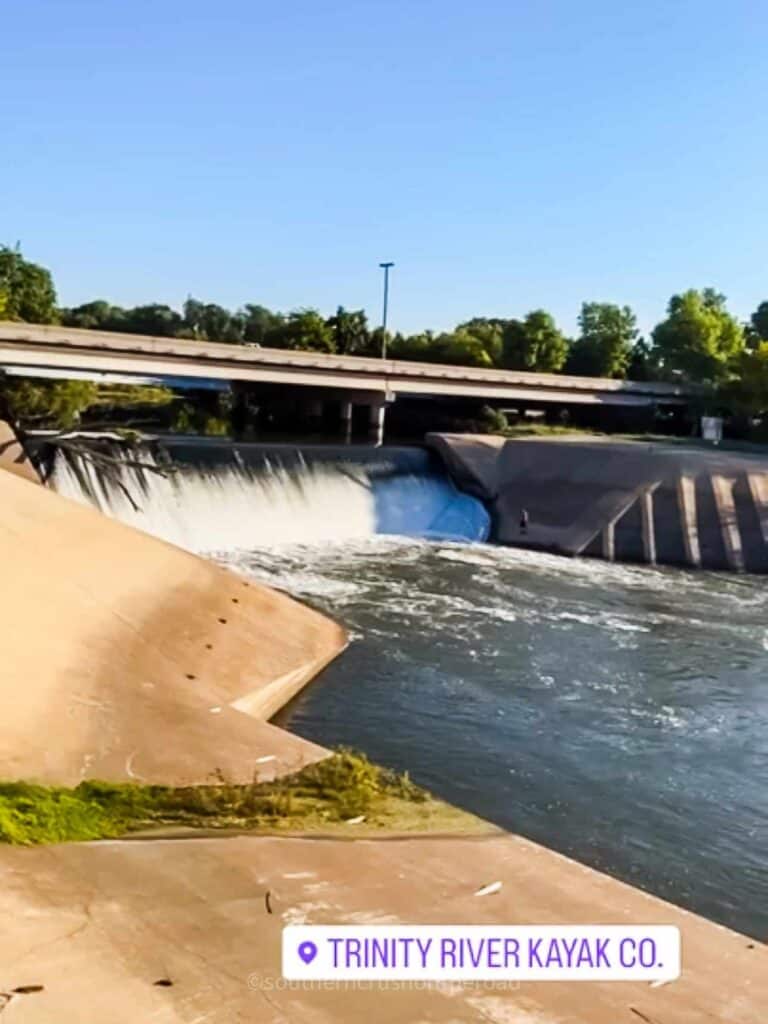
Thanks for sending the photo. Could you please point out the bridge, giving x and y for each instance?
(63, 352)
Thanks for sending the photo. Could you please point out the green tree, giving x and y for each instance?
(26, 290)
(98, 315)
(155, 319)
(643, 362)
(209, 322)
(259, 323)
(699, 338)
(40, 404)
(417, 347)
(604, 346)
(759, 322)
(303, 329)
(746, 393)
(482, 335)
(534, 343)
(461, 347)
(351, 335)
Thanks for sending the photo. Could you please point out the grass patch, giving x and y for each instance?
(543, 430)
(343, 786)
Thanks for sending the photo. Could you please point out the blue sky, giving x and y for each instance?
(507, 155)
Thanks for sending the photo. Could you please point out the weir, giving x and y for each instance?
(210, 496)
(625, 502)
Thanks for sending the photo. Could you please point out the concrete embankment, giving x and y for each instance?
(13, 456)
(623, 501)
(127, 658)
(100, 924)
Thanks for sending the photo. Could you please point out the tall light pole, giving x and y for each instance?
(385, 267)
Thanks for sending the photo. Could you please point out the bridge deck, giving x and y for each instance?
(33, 347)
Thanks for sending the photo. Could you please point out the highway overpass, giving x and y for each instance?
(52, 351)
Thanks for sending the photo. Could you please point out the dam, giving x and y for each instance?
(614, 712)
(638, 503)
(254, 495)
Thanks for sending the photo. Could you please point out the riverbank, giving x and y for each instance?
(189, 930)
(127, 659)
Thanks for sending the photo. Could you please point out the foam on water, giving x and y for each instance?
(229, 509)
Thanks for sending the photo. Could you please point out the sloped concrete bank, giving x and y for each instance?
(622, 501)
(126, 658)
(14, 457)
(181, 931)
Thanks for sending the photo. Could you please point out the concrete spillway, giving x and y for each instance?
(633, 502)
(224, 497)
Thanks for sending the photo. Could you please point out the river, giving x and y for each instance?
(616, 714)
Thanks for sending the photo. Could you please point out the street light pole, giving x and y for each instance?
(385, 267)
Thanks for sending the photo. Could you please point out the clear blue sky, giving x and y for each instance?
(506, 155)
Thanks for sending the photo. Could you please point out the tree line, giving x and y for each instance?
(698, 340)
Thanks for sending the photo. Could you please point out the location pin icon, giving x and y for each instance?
(307, 952)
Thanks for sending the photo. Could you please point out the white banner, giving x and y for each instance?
(481, 952)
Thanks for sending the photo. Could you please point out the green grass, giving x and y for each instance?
(343, 786)
(542, 430)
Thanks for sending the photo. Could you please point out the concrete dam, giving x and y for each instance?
(197, 494)
(657, 504)
(631, 502)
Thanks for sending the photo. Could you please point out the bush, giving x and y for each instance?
(493, 421)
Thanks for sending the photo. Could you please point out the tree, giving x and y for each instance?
(98, 315)
(40, 404)
(643, 362)
(481, 335)
(350, 332)
(156, 319)
(209, 322)
(26, 289)
(417, 347)
(699, 338)
(534, 343)
(759, 321)
(604, 347)
(259, 323)
(303, 329)
(461, 348)
(747, 392)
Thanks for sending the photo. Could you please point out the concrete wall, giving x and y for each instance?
(13, 457)
(126, 658)
(624, 501)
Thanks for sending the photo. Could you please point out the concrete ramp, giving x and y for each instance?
(180, 931)
(126, 658)
(653, 503)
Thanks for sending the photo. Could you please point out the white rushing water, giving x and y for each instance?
(228, 509)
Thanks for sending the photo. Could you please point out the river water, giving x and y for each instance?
(616, 714)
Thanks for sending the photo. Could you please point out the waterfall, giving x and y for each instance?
(228, 508)
(213, 505)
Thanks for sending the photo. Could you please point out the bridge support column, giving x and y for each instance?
(315, 413)
(346, 420)
(376, 423)
(609, 541)
(648, 526)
